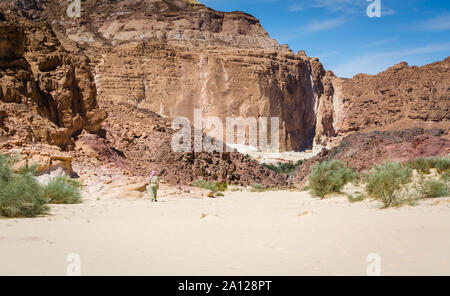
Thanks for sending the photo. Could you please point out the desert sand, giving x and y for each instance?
(243, 233)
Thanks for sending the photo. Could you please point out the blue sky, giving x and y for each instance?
(345, 39)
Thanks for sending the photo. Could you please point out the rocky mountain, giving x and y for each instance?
(360, 150)
(145, 62)
(46, 94)
(400, 97)
(172, 57)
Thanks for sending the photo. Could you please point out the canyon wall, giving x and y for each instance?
(401, 97)
(46, 94)
(173, 56)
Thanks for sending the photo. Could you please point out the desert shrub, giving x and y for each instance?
(329, 176)
(387, 181)
(358, 197)
(283, 168)
(258, 188)
(422, 165)
(219, 194)
(445, 176)
(442, 164)
(214, 187)
(427, 188)
(221, 186)
(63, 190)
(205, 185)
(20, 194)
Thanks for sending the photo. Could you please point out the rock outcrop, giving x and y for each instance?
(169, 57)
(145, 143)
(174, 56)
(400, 97)
(46, 94)
(361, 150)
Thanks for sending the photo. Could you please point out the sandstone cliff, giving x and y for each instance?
(400, 97)
(173, 56)
(169, 57)
(46, 94)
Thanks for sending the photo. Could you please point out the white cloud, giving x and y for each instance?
(373, 63)
(327, 54)
(379, 43)
(387, 11)
(323, 25)
(295, 8)
(349, 6)
(439, 23)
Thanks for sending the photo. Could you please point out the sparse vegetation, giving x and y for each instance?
(428, 188)
(424, 165)
(22, 196)
(283, 168)
(445, 176)
(63, 190)
(214, 187)
(330, 177)
(258, 188)
(442, 165)
(358, 197)
(387, 182)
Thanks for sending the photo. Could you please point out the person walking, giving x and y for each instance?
(153, 186)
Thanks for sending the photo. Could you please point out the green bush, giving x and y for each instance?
(283, 168)
(329, 176)
(63, 190)
(214, 187)
(446, 176)
(442, 164)
(356, 198)
(385, 183)
(221, 186)
(430, 188)
(258, 188)
(20, 194)
(424, 165)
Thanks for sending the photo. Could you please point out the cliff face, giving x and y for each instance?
(400, 97)
(46, 94)
(173, 56)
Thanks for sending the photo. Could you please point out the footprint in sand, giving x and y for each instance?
(305, 213)
(205, 216)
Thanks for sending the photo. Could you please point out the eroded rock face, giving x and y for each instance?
(144, 144)
(361, 150)
(400, 97)
(223, 82)
(46, 94)
(173, 56)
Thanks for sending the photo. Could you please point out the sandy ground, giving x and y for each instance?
(270, 233)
